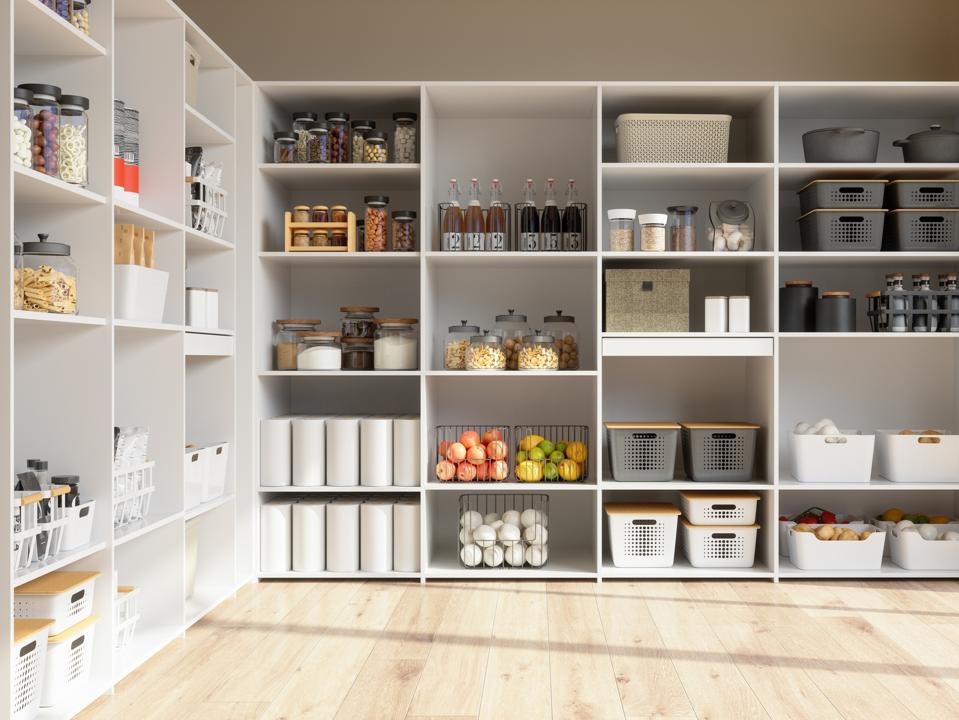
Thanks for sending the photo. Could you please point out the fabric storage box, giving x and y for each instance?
(125, 615)
(64, 597)
(666, 138)
(642, 534)
(915, 194)
(139, 293)
(807, 552)
(79, 526)
(719, 508)
(29, 659)
(69, 659)
(194, 473)
(214, 471)
(729, 546)
(922, 230)
(918, 458)
(841, 194)
(642, 451)
(647, 300)
(719, 451)
(841, 230)
(845, 458)
(910, 551)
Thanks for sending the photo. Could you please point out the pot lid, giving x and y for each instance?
(732, 211)
(849, 130)
(935, 130)
(44, 247)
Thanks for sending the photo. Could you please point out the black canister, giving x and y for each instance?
(797, 306)
(73, 498)
(836, 312)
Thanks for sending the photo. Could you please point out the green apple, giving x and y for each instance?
(550, 471)
(520, 456)
(536, 454)
(556, 456)
(561, 446)
(547, 446)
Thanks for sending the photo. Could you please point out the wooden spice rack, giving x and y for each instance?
(289, 226)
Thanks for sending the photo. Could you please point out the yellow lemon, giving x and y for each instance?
(576, 451)
(529, 471)
(938, 520)
(528, 442)
(569, 470)
(893, 515)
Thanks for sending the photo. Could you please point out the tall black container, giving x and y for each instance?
(836, 312)
(797, 306)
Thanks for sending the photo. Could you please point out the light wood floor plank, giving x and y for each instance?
(382, 690)
(409, 634)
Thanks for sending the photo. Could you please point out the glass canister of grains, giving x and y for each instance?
(358, 321)
(339, 136)
(404, 230)
(404, 137)
(302, 122)
(375, 219)
(286, 338)
(319, 149)
(682, 227)
(359, 129)
(538, 352)
(22, 136)
(622, 222)
(395, 346)
(652, 232)
(485, 352)
(457, 340)
(357, 353)
(284, 146)
(45, 107)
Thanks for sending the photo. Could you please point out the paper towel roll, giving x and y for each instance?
(376, 536)
(376, 451)
(309, 451)
(406, 536)
(275, 535)
(343, 535)
(342, 451)
(406, 451)
(309, 535)
(276, 444)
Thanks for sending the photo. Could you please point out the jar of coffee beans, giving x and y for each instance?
(339, 128)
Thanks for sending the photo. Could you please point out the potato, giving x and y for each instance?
(802, 527)
(864, 534)
(824, 532)
(848, 535)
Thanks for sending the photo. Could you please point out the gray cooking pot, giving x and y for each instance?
(841, 145)
(934, 145)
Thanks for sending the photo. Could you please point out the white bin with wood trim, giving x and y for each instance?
(69, 660)
(719, 546)
(719, 508)
(642, 534)
(64, 597)
(29, 660)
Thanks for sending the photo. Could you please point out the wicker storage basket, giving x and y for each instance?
(664, 138)
(647, 300)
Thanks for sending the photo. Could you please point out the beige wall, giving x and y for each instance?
(596, 40)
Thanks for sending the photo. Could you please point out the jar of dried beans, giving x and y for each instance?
(375, 220)
(404, 230)
(339, 126)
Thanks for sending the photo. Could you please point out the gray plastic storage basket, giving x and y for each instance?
(841, 194)
(643, 451)
(915, 194)
(664, 138)
(926, 229)
(719, 451)
(839, 230)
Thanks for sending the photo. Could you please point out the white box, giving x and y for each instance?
(918, 458)
(910, 551)
(738, 313)
(64, 597)
(192, 71)
(214, 470)
(196, 301)
(726, 546)
(139, 293)
(807, 552)
(194, 473)
(79, 527)
(719, 508)
(845, 458)
(642, 534)
(69, 659)
(212, 308)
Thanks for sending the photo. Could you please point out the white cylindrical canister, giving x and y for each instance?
(406, 451)
(343, 535)
(309, 535)
(376, 536)
(196, 307)
(406, 536)
(376, 451)
(739, 313)
(212, 308)
(309, 451)
(716, 314)
(342, 451)
(276, 448)
(275, 536)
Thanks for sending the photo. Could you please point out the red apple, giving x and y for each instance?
(470, 438)
(456, 452)
(491, 435)
(499, 470)
(496, 450)
(476, 455)
(445, 470)
(444, 447)
(482, 471)
(465, 472)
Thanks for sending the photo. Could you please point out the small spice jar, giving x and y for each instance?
(319, 142)
(286, 339)
(682, 228)
(339, 124)
(320, 238)
(404, 137)
(301, 213)
(375, 219)
(284, 146)
(338, 238)
(359, 129)
(512, 327)
(404, 230)
(320, 214)
(302, 122)
(357, 353)
(358, 321)
(45, 108)
(22, 135)
(836, 312)
(338, 214)
(621, 229)
(563, 329)
(395, 346)
(374, 149)
(301, 238)
(652, 232)
(485, 352)
(457, 341)
(538, 352)
(318, 351)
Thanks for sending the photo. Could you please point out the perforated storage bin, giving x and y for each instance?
(132, 490)
(64, 597)
(79, 527)
(719, 508)
(126, 615)
(920, 230)
(642, 534)
(910, 551)
(845, 458)
(69, 659)
(841, 194)
(841, 230)
(719, 451)
(642, 451)
(915, 194)
(918, 458)
(26, 527)
(665, 138)
(711, 546)
(29, 658)
(807, 552)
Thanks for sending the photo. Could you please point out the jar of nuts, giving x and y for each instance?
(563, 329)
(485, 352)
(404, 230)
(538, 352)
(358, 130)
(374, 149)
(404, 137)
(339, 126)
(319, 142)
(457, 341)
(302, 122)
(45, 110)
(512, 328)
(375, 222)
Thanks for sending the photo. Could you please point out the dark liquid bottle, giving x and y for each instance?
(572, 221)
(475, 238)
(496, 219)
(551, 226)
(529, 220)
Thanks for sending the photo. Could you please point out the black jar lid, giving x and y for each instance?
(65, 479)
(20, 93)
(363, 124)
(376, 135)
(683, 209)
(304, 115)
(77, 100)
(42, 89)
(283, 135)
(45, 248)
(404, 214)
(376, 200)
(404, 116)
(341, 116)
(321, 126)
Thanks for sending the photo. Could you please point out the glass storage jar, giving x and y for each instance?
(359, 128)
(81, 16)
(404, 137)
(301, 213)
(563, 329)
(318, 351)
(17, 276)
(404, 230)
(622, 222)
(338, 238)
(485, 352)
(302, 123)
(49, 277)
(45, 108)
(319, 148)
(374, 148)
(320, 238)
(338, 214)
(339, 136)
(652, 232)
(358, 321)
(360, 234)
(357, 353)
(301, 238)
(284, 146)
(733, 226)
(457, 341)
(395, 346)
(320, 214)
(682, 227)
(538, 352)
(22, 138)
(73, 139)
(286, 339)
(375, 223)
(512, 327)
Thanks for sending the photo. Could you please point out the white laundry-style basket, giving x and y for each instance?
(909, 550)
(642, 451)
(125, 615)
(64, 597)
(29, 656)
(665, 138)
(69, 659)
(642, 534)
(807, 552)
(711, 546)
(719, 508)
(845, 458)
(918, 457)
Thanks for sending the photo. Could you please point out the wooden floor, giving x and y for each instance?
(527, 650)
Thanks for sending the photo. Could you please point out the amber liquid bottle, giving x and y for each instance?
(475, 238)
(453, 221)
(529, 220)
(496, 224)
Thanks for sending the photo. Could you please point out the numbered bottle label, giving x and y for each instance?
(496, 241)
(550, 242)
(474, 241)
(529, 242)
(453, 242)
(572, 242)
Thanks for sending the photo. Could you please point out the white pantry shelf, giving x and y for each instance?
(564, 563)
(330, 575)
(344, 176)
(687, 345)
(39, 31)
(37, 570)
(139, 528)
(28, 317)
(34, 188)
(758, 485)
(683, 176)
(339, 373)
(200, 241)
(682, 569)
(344, 260)
(333, 489)
(125, 213)
(889, 570)
(142, 326)
(205, 507)
(504, 486)
(880, 484)
(200, 130)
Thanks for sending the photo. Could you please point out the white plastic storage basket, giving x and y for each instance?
(910, 551)
(69, 658)
(139, 293)
(918, 458)
(79, 527)
(665, 138)
(642, 534)
(29, 658)
(207, 208)
(214, 472)
(719, 451)
(26, 527)
(712, 546)
(126, 615)
(132, 489)
(642, 451)
(784, 526)
(64, 597)
(719, 508)
(807, 552)
(50, 537)
(194, 472)
(845, 458)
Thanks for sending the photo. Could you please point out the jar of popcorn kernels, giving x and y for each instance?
(485, 352)
(538, 352)
(457, 341)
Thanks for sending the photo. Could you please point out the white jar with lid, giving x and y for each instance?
(652, 232)
(318, 351)
(716, 321)
(738, 313)
(622, 223)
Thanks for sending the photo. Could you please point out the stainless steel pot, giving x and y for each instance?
(841, 145)
(934, 145)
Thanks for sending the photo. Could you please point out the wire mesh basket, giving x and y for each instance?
(132, 489)
(503, 530)
(468, 453)
(551, 453)
(207, 206)
(913, 311)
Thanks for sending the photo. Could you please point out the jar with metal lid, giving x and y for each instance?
(358, 321)
(538, 352)
(359, 129)
(512, 327)
(797, 306)
(302, 122)
(952, 302)
(284, 146)
(622, 222)
(375, 219)
(374, 147)
(836, 312)
(81, 16)
(682, 228)
(338, 214)
(566, 340)
(339, 136)
(652, 232)
(320, 214)
(301, 238)
(357, 353)
(360, 234)
(45, 107)
(404, 230)
(286, 339)
(485, 352)
(457, 341)
(395, 346)
(318, 351)
(22, 135)
(73, 139)
(404, 137)
(733, 226)
(301, 213)
(17, 276)
(319, 142)
(49, 277)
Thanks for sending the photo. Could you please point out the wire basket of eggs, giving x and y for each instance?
(503, 530)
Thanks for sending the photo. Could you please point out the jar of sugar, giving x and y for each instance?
(395, 346)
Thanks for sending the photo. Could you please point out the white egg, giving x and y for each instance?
(823, 423)
(511, 517)
(903, 524)
(515, 554)
(466, 536)
(490, 518)
(951, 535)
(508, 534)
(471, 519)
(496, 524)
(493, 556)
(734, 240)
(530, 516)
(928, 532)
(471, 555)
(536, 555)
(912, 529)
(535, 535)
(829, 430)
(801, 428)
(484, 536)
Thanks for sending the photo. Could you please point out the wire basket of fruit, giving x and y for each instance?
(472, 453)
(551, 453)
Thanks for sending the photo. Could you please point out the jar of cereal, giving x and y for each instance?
(485, 352)
(538, 352)
(457, 341)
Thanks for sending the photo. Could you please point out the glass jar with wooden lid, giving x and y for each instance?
(358, 321)
(286, 340)
(338, 214)
(301, 213)
(319, 351)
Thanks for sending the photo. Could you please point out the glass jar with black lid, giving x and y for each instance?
(358, 131)
(49, 277)
(302, 123)
(339, 124)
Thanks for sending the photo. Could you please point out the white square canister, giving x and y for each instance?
(716, 314)
(212, 308)
(738, 313)
(196, 301)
